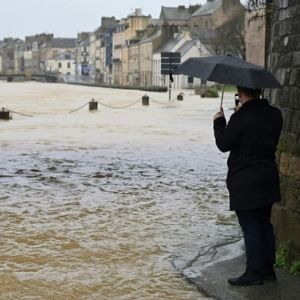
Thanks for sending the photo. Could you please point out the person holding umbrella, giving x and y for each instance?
(251, 137)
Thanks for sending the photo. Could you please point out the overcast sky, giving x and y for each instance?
(65, 18)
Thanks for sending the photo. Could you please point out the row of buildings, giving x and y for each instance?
(128, 51)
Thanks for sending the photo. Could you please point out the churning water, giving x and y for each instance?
(98, 205)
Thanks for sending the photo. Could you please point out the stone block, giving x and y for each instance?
(296, 61)
(288, 13)
(286, 225)
(294, 95)
(281, 73)
(282, 3)
(295, 126)
(275, 29)
(287, 119)
(285, 27)
(290, 166)
(294, 43)
(284, 180)
(295, 73)
(296, 25)
(292, 195)
(286, 61)
(289, 143)
(274, 59)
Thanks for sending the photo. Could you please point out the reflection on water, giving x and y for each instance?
(97, 205)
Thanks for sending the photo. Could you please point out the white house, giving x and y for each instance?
(188, 48)
(63, 64)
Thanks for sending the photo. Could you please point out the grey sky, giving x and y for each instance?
(65, 18)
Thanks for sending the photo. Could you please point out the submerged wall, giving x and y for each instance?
(284, 61)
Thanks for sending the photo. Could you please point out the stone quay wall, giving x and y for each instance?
(284, 61)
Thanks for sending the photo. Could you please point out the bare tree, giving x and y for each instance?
(226, 39)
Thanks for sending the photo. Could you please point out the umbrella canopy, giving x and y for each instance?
(228, 70)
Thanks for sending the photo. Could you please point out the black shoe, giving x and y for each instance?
(248, 278)
(270, 275)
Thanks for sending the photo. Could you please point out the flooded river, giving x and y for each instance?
(98, 205)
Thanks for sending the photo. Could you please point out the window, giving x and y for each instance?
(59, 65)
(190, 79)
(69, 65)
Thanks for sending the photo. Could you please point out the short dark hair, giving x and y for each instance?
(255, 93)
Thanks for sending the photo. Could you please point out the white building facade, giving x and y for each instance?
(188, 48)
(63, 64)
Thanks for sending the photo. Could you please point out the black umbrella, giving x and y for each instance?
(228, 70)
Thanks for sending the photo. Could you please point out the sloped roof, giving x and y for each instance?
(175, 13)
(85, 42)
(64, 56)
(169, 44)
(186, 47)
(63, 43)
(155, 22)
(208, 8)
(151, 37)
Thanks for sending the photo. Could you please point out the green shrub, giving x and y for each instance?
(295, 268)
(204, 91)
(212, 92)
(283, 255)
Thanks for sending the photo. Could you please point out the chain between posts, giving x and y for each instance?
(18, 113)
(118, 107)
(162, 103)
(80, 107)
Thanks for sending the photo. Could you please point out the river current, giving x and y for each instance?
(98, 205)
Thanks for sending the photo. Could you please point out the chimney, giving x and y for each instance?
(138, 12)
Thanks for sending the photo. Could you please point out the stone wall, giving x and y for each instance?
(284, 61)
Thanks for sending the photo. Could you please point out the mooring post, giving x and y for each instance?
(180, 97)
(93, 105)
(145, 100)
(5, 114)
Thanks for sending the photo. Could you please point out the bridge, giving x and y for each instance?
(26, 76)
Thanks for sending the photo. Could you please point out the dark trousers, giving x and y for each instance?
(259, 238)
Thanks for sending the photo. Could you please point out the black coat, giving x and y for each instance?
(251, 136)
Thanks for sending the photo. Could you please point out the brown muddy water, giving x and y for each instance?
(98, 205)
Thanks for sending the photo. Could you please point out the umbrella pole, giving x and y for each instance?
(223, 89)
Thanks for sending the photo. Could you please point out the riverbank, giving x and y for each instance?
(210, 276)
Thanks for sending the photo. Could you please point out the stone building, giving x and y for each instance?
(103, 49)
(82, 53)
(133, 65)
(19, 66)
(215, 13)
(146, 48)
(127, 33)
(58, 46)
(7, 53)
(118, 44)
(255, 36)
(284, 61)
(33, 53)
(178, 16)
